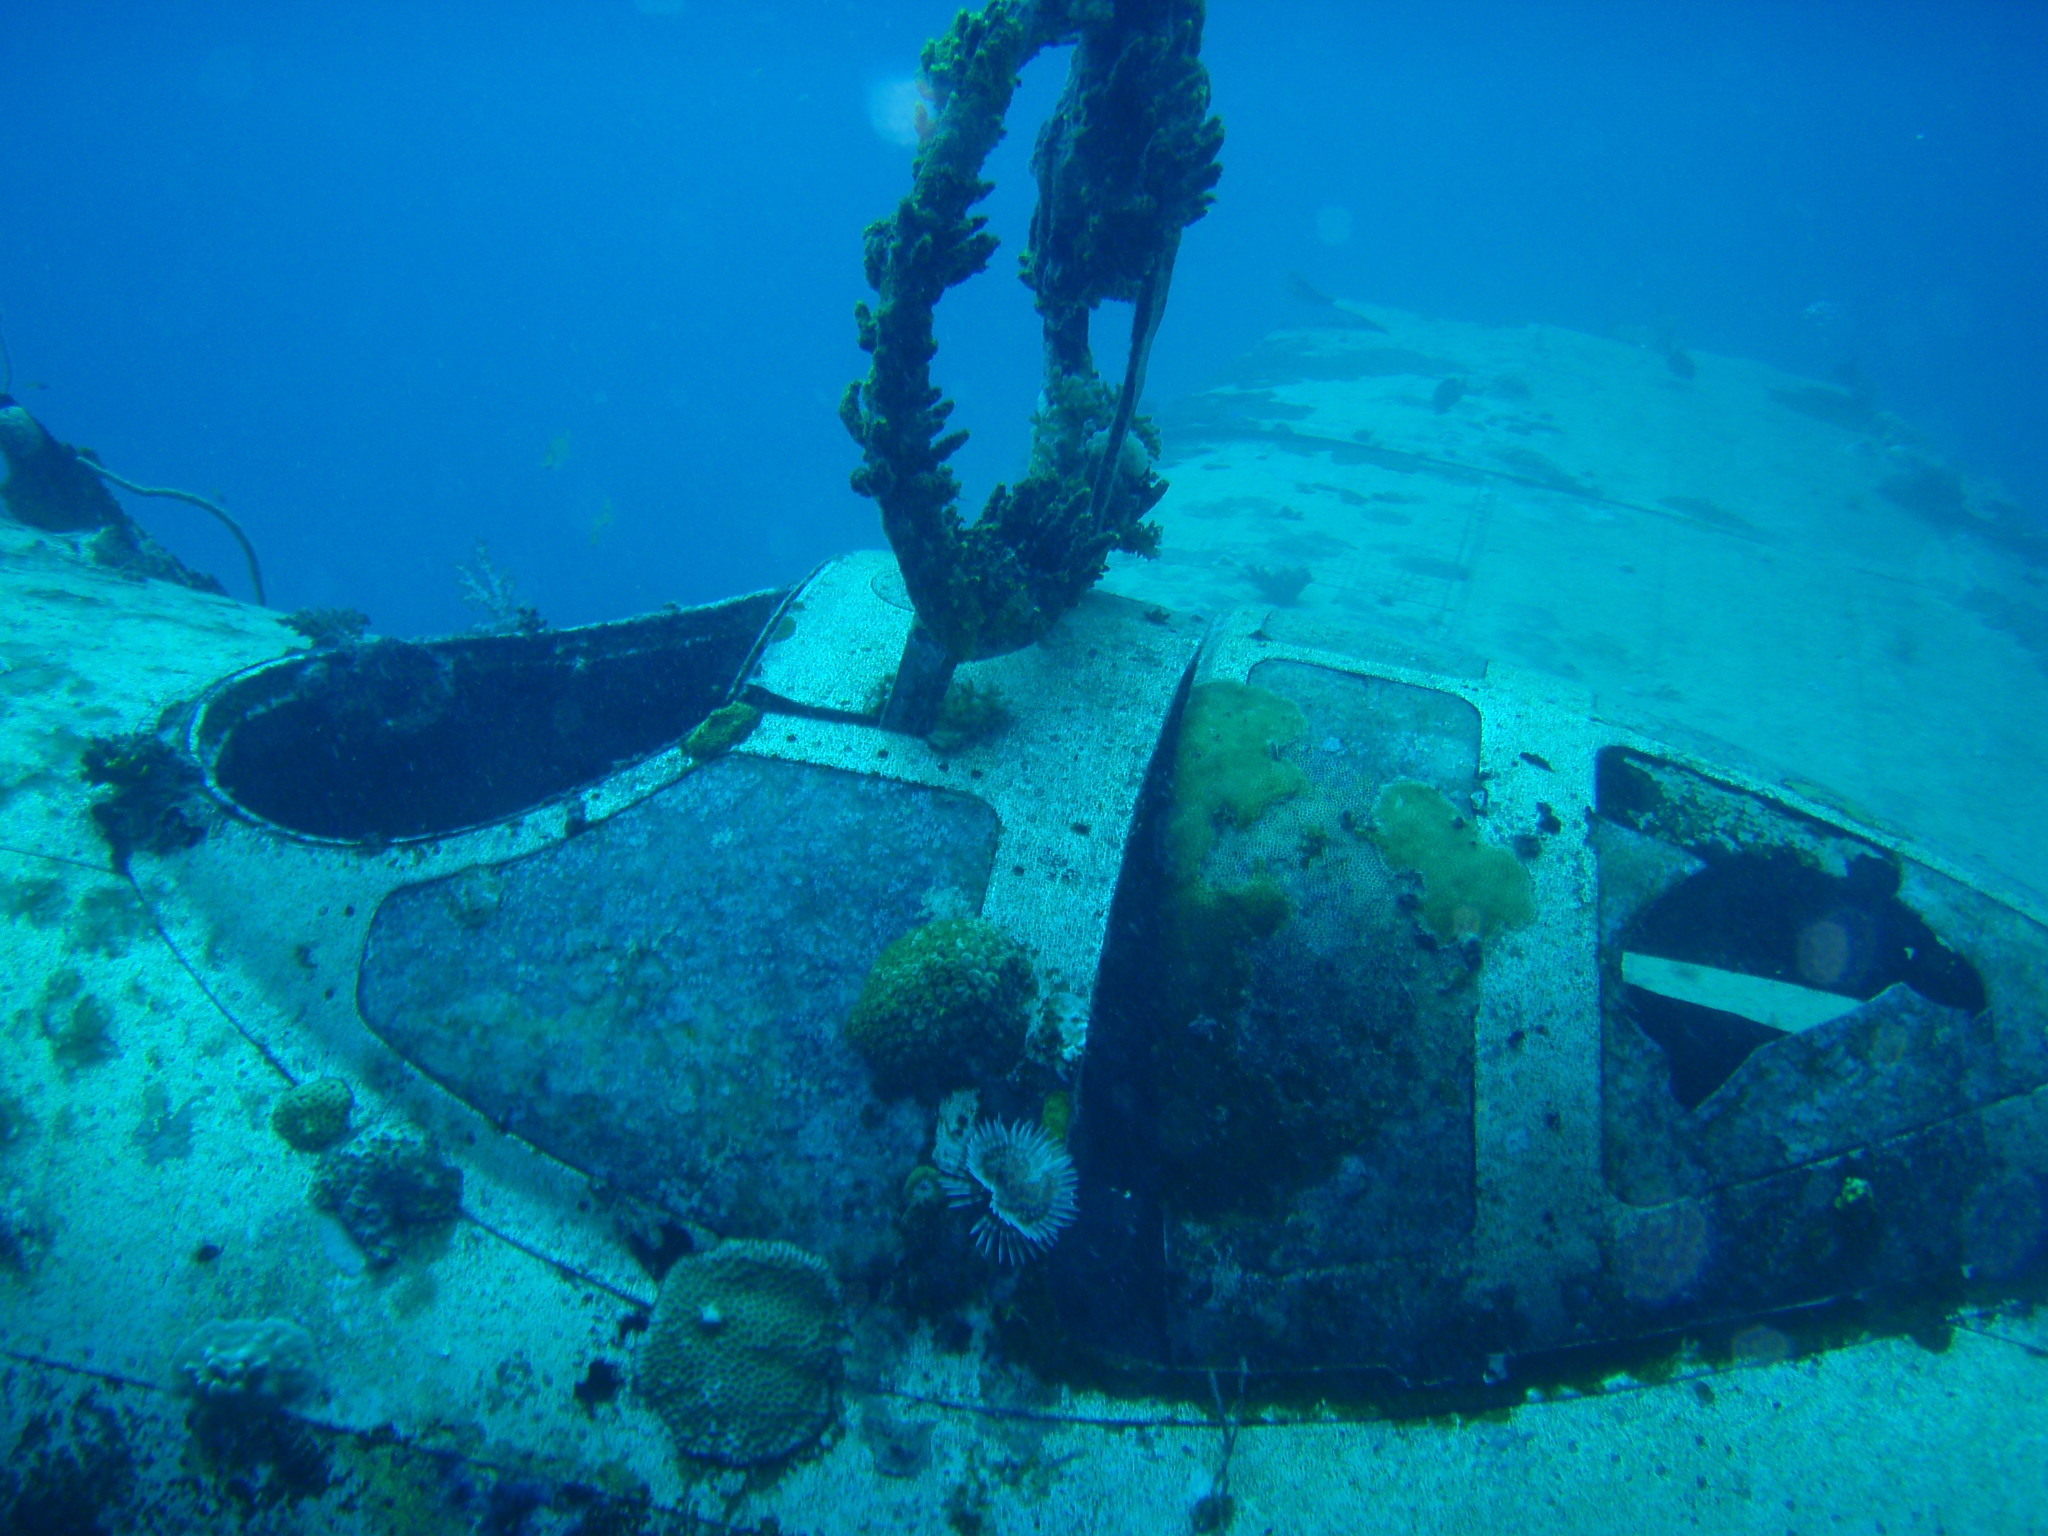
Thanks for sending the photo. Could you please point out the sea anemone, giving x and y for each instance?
(1022, 1182)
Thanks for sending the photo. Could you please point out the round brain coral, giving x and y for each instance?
(944, 1008)
(743, 1355)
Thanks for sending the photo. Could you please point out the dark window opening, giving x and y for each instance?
(1768, 914)
(389, 739)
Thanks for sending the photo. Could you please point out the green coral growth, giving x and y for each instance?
(944, 1008)
(1228, 772)
(1208, 931)
(1227, 768)
(1058, 1115)
(1470, 889)
(721, 731)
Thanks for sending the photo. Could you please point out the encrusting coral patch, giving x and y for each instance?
(742, 1360)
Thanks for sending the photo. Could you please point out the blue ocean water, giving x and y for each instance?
(576, 280)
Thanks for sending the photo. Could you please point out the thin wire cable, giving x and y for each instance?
(241, 538)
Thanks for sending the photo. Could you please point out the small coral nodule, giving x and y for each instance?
(251, 1364)
(313, 1116)
(1022, 1182)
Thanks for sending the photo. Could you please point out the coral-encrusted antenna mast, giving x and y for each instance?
(1125, 163)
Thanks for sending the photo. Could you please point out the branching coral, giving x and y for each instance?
(1124, 164)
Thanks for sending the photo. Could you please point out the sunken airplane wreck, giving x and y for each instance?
(1496, 1039)
(600, 1054)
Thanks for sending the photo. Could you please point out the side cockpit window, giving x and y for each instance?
(1778, 991)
